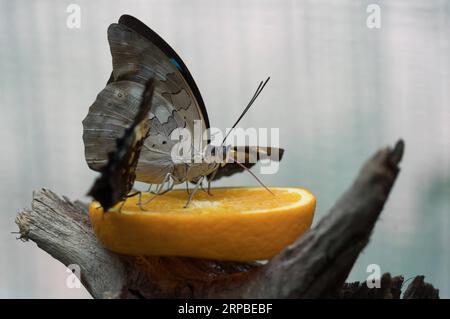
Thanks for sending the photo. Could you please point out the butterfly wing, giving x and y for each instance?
(160, 46)
(118, 175)
(248, 156)
(139, 54)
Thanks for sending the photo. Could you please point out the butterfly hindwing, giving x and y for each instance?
(111, 113)
(118, 175)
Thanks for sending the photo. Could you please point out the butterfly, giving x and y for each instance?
(139, 55)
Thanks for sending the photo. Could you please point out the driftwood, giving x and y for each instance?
(315, 266)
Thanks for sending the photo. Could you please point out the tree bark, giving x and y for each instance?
(315, 266)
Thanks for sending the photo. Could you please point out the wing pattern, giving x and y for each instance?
(140, 54)
(118, 175)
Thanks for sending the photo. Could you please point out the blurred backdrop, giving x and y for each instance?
(339, 91)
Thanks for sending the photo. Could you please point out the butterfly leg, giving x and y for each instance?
(186, 170)
(133, 194)
(194, 190)
(139, 199)
(138, 193)
(203, 189)
(121, 206)
(170, 185)
(155, 194)
(159, 190)
(209, 188)
(149, 190)
(210, 180)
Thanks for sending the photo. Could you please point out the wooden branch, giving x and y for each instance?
(63, 230)
(419, 289)
(316, 265)
(390, 288)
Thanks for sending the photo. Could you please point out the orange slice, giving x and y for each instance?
(241, 224)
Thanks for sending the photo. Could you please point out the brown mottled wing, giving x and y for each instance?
(138, 54)
(118, 175)
(248, 156)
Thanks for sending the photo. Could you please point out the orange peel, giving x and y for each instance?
(241, 224)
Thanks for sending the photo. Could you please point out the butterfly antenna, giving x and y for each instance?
(253, 174)
(258, 91)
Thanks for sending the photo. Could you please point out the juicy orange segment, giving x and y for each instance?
(239, 224)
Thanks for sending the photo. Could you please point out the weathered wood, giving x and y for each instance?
(63, 230)
(316, 265)
(390, 288)
(419, 289)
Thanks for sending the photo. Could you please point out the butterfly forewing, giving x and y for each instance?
(139, 54)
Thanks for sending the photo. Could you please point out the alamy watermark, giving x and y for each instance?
(73, 20)
(373, 20)
(197, 146)
(374, 279)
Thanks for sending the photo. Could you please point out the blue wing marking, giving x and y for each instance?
(174, 62)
